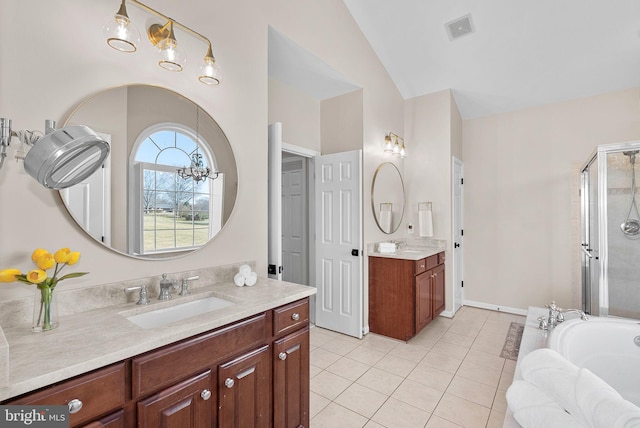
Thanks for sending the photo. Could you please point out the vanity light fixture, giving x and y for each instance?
(394, 144)
(121, 35)
(61, 157)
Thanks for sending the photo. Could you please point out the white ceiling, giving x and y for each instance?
(523, 52)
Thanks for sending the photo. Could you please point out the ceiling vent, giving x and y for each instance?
(459, 27)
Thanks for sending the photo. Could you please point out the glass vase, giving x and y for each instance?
(45, 310)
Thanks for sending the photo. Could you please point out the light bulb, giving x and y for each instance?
(121, 34)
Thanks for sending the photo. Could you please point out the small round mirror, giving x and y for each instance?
(387, 197)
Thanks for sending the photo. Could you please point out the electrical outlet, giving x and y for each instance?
(410, 228)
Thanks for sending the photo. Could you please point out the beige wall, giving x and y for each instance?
(521, 241)
(44, 74)
(299, 114)
(341, 123)
(432, 134)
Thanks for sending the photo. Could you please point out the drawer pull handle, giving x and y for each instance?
(229, 383)
(205, 394)
(295, 316)
(74, 406)
(282, 356)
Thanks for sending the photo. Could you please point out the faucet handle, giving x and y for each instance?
(185, 285)
(144, 297)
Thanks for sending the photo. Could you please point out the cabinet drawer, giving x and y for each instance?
(432, 261)
(155, 370)
(440, 258)
(290, 317)
(420, 266)
(100, 392)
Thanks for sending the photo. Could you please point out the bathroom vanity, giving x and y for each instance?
(406, 291)
(243, 365)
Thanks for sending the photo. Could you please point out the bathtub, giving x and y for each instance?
(609, 347)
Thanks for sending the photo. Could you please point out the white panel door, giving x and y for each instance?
(458, 227)
(295, 257)
(274, 256)
(89, 201)
(338, 239)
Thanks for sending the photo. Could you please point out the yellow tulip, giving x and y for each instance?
(37, 253)
(73, 258)
(9, 275)
(36, 276)
(46, 261)
(62, 255)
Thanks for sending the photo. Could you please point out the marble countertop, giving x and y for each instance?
(94, 339)
(409, 253)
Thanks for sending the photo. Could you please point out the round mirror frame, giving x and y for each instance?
(373, 202)
(233, 182)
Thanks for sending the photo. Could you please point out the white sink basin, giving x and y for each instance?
(179, 312)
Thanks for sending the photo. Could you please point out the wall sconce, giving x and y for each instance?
(394, 144)
(61, 157)
(123, 36)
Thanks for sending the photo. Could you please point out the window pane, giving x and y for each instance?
(173, 157)
(165, 181)
(186, 143)
(164, 139)
(147, 151)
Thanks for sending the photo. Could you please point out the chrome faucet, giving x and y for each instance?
(556, 316)
(144, 298)
(184, 288)
(165, 287)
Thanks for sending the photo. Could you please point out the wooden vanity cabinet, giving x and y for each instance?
(252, 373)
(405, 295)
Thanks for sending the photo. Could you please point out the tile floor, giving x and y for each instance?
(450, 375)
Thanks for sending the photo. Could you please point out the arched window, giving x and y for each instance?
(172, 213)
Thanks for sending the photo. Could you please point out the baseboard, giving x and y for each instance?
(365, 330)
(497, 308)
(447, 314)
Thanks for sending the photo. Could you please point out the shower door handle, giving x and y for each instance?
(584, 250)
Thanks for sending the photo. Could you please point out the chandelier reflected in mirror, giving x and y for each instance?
(197, 171)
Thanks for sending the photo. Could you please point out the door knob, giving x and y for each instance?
(205, 394)
(355, 252)
(456, 245)
(282, 356)
(229, 383)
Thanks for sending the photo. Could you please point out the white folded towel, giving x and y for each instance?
(251, 279)
(387, 247)
(554, 375)
(533, 408)
(245, 270)
(239, 279)
(602, 405)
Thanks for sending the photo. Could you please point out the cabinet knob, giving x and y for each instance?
(229, 383)
(74, 406)
(206, 394)
(295, 316)
(282, 356)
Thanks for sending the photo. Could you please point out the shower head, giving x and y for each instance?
(632, 155)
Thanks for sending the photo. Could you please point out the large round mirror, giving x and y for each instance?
(387, 197)
(169, 184)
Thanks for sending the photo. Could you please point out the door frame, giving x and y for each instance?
(457, 256)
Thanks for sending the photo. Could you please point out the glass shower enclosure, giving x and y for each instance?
(610, 231)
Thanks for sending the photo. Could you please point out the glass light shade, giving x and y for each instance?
(396, 149)
(210, 72)
(388, 145)
(403, 152)
(121, 34)
(171, 58)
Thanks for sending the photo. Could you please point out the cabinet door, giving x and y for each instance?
(291, 380)
(187, 404)
(438, 290)
(244, 386)
(424, 307)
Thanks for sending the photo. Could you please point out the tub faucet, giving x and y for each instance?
(560, 316)
(556, 316)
